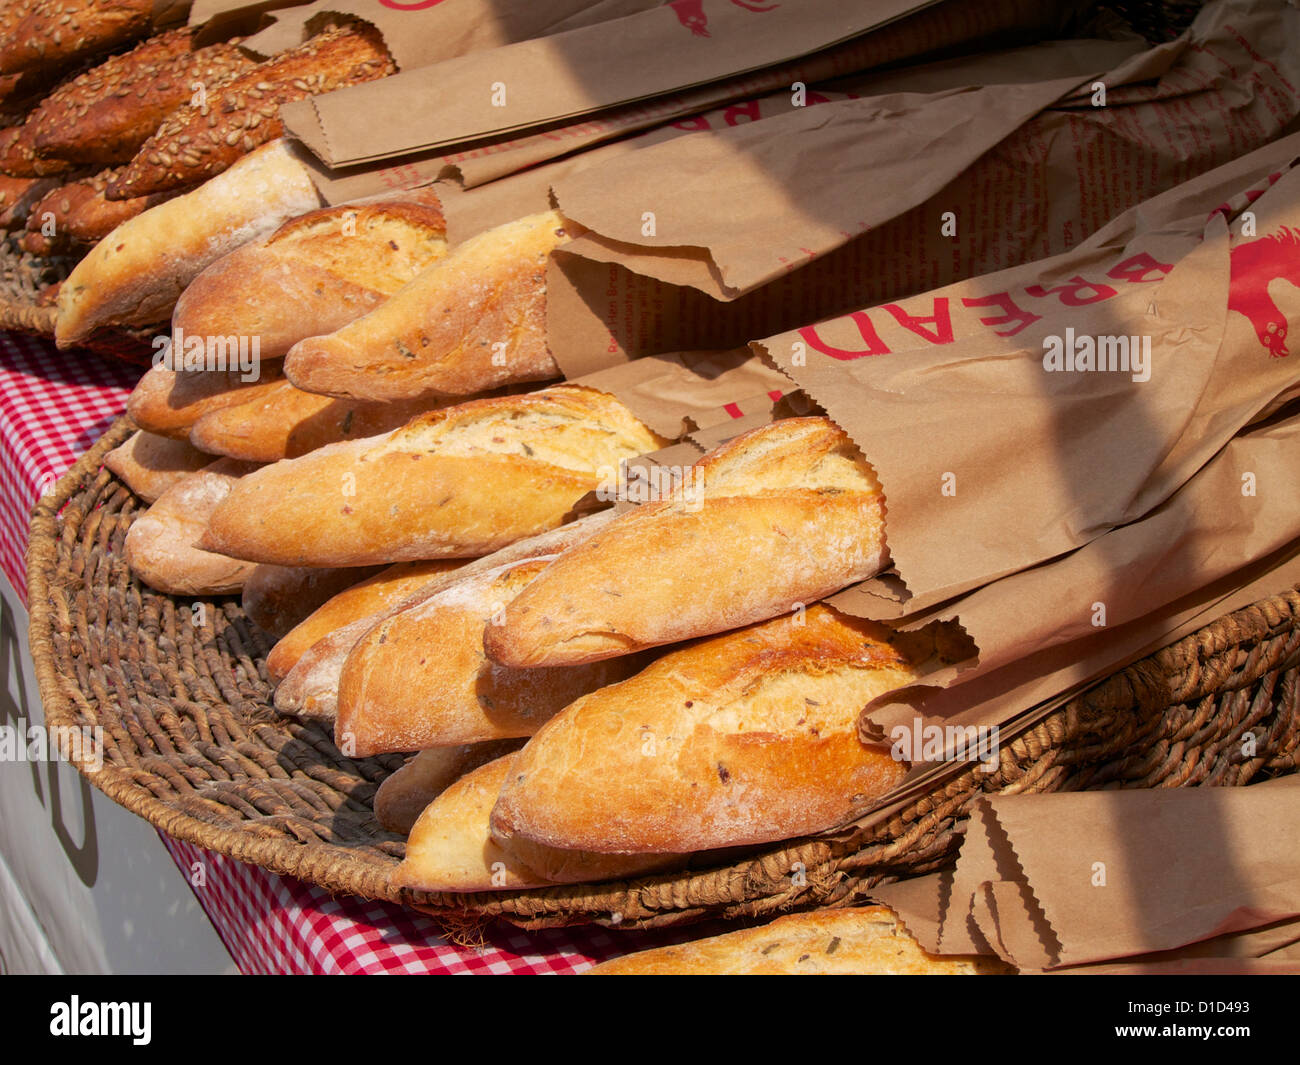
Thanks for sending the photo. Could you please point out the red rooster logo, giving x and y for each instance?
(690, 13)
(1253, 265)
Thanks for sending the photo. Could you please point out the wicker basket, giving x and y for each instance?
(191, 744)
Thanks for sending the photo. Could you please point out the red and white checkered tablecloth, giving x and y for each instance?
(53, 407)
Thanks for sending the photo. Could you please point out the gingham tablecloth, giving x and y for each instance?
(53, 407)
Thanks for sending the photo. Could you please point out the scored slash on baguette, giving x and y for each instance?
(788, 514)
(476, 320)
(455, 483)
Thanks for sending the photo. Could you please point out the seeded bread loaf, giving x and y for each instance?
(455, 483)
(19, 195)
(54, 32)
(787, 514)
(853, 942)
(198, 142)
(170, 402)
(159, 545)
(277, 598)
(744, 738)
(473, 321)
(18, 156)
(420, 678)
(315, 273)
(402, 797)
(135, 275)
(78, 213)
(150, 464)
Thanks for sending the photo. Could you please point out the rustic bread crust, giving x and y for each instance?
(277, 598)
(473, 321)
(402, 797)
(150, 464)
(18, 197)
(60, 31)
(454, 483)
(170, 402)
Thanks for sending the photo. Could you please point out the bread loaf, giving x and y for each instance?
(134, 276)
(102, 117)
(170, 402)
(780, 516)
(358, 601)
(150, 464)
(739, 739)
(159, 545)
(278, 598)
(402, 797)
(473, 321)
(19, 195)
(455, 483)
(59, 31)
(94, 216)
(199, 142)
(315, 273)
(420, 678)
(310, 689)
(869, 941)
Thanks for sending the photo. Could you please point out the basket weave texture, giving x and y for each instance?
(191, 743)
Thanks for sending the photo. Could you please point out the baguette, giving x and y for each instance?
(474, 321)
(198, 142)
(170, 402)
(451, 849)
(455, 483)
(158, 547)
(420, 679)
(315, 273)
(135, 275)
(744, 738)
(105, 115)
(402, 797)
(278, 598)
(786, 515)
(310, 689)
(59, 31)
(150, 464)
(869, 941)
(356, 602)
(19, 195)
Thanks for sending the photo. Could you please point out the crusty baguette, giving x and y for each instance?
(135, 275)
(170, 402)
(103, 116)
(315, 273)
(402, 797)
(150, 464)
(420, 678)
(196, 143)
(310, 689)
(278, 598)
(739, 739)
(787, 514)
(450, 847)
(473, 321)
(159, 545)
(870, 941)
(361, 600)
(455, 483)
(59, 31)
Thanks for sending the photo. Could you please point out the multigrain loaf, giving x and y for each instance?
(310, 689)
(169, 402)
(738, 739)
(53, 32)
(18, 156)
(450, 847)
(135, 274)
(420, 678)
(150, 464)
(103, 116)
(780, 516)
(869, 941)
(278, 598)
(78, 211)
(197, 142)
(473, 321)
(159, 546)
(18, 196)
(315, 273)
(454, 483)
(284, 422)
(361, 600)
(402, 797)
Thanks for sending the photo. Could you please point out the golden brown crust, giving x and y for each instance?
(361, 600)
(18, 196)
(787, 514)
(473, 321)
(78, 211)
(18, 156)
(169, 402)
(739, 739)
(195, 143)
(869, 941)
(277, 598)
(455, 483)
(58, 31)
(315, 274)
(150, 464)
(402, 797)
